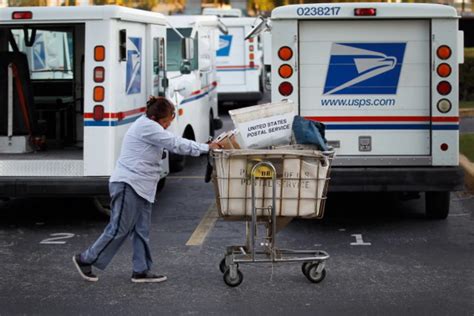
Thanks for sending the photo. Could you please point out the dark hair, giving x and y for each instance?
(159, 107)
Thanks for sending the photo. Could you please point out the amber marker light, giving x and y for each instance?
(285, 53)
(99, 94)
(443, 52)
(285, 71)
(444, 70)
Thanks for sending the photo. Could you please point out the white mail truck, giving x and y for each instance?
(383, 78)
(239, 63)
(193, 81)
(72, 80)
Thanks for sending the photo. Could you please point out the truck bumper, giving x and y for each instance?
(416, 179)
(53, 186)
(239, 96)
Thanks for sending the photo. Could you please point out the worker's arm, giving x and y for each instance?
(158, 136)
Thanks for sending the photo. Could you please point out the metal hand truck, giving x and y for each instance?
(313, 266)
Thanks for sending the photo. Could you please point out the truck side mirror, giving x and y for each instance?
(123, 45)
(257, 29)
(29, 38)
(185, 67)
(187, 48)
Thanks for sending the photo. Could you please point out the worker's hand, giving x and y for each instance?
(215, 146)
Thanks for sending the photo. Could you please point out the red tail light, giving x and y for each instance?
(98, 113)
(365, 12)
(22, 15)
(444, 88)
(285, 88)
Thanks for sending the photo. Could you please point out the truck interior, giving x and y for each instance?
(42, 90)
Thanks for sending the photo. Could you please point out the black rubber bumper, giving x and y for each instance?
(240, 96)
(53, 186)
(396, 179)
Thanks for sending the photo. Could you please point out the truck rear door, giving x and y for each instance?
(231, 63)
(369, 82)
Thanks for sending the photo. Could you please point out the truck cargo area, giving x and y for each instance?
(41, 100)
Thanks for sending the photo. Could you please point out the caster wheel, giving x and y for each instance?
(305, 266)
(313, 275)
(223, 266)
(233, 282)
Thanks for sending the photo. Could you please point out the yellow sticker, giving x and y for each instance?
(263, 171)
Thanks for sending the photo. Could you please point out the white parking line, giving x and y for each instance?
(204, 227)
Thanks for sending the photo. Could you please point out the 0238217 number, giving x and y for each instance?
(318, 11)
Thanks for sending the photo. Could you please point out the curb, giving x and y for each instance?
(466, 112)
(468, 168)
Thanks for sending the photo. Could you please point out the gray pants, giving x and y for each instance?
(131, 215)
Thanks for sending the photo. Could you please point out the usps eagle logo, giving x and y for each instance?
(364, 68)
(134, 65)
(225, 42)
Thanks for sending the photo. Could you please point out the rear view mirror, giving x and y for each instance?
(257, 29)
(123, 45)
(30, 38)
(222, 27)
(187, 48)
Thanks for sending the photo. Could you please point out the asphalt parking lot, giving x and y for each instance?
(386, 258)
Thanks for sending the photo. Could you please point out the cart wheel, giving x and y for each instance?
(305, 266)
(313, 275)
(223, 266)
(233, 282)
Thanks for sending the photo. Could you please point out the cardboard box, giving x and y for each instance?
(228, 140)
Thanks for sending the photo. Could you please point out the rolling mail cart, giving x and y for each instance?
(270, 187)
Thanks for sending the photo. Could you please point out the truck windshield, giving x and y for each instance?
(173, 50)
(51, 54)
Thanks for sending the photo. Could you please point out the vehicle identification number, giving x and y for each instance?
(318, 11)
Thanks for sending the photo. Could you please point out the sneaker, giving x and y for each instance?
(147, 277)
(84, 269)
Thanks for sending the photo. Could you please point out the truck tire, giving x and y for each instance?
(102, 204)
(212, 129)
(437, 204)
(161, 185)
(177, 162)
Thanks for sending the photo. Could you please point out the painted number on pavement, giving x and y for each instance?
(359, 241)
(57, 239)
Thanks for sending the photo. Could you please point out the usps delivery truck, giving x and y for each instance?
(72, 81)
(193, 81)
(384, 80)
(239, 63)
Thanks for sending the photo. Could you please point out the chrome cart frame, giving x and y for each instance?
(314, 261)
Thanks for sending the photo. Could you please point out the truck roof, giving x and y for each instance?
(384, 10)
(222, 12)
(85, 13)
(190, 20)
(239, 21)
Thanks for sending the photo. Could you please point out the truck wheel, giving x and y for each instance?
(102, 204)
(212, 129)
(177, 162)
(437, 204)
(161, 185)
